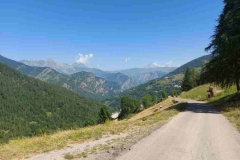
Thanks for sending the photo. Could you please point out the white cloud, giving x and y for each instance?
(128, 59)
(83, 58)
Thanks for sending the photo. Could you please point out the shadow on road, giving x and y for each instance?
(201, 108)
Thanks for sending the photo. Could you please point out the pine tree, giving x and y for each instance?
(224, 68)
(187, 83)
(194, 74)
(104, 115)
(147, 101)
(154, 99)
(164, 94)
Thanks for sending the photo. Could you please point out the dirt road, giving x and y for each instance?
(200, 133)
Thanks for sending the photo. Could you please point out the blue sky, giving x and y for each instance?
(142, 31)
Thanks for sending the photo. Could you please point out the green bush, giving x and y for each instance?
(129, 106)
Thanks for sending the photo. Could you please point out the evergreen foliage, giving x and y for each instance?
(164, 94)
(104, 115)
(224, 68)
(154, 99)
(187, 80)
(129, 106)
(190, 80)
(147, 101)
(31, 107)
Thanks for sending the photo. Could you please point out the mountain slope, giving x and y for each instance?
(137, 71)
(83, 83)
(124, 81)
(144, 75)
(58, 66)
(169, 83)
(31, 107)
(148, 76)
(24, 69)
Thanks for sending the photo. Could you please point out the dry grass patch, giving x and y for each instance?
(152, 110)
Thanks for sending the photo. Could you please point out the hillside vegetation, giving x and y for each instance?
(140, 125)
(31, 107)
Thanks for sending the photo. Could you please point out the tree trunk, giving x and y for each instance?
(238, 84)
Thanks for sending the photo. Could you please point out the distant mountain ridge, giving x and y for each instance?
(138, 71)
(169, 83)
(125, 78)
(58, 66)
(124, 81)
(83, 83)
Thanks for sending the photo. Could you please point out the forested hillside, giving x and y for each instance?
(24, 69)
(170, 83)
(30, 107)
(197, 63)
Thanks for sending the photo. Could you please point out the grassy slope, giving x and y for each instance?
(26, 147)
(227, 101)
(198, 93)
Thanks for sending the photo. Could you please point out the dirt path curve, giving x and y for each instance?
(59, 155)
(200, 133)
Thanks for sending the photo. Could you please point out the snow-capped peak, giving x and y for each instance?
(153, 65)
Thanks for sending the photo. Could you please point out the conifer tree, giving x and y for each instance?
(187, 83)
(224, 68)
(164, 94)
(147, 101)
(104, 115)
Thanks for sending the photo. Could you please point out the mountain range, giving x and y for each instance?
(125, 78)
(90, 82)
(169, 83)
(97, 84)
(83, 83)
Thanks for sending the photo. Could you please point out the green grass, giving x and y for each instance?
(199, 93)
